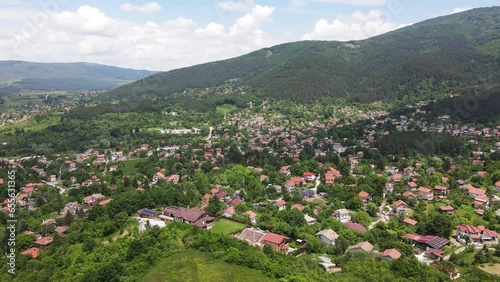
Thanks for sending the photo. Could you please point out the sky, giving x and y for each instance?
(171, 34)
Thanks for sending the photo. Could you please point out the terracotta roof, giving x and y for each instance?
(365, 246)
(251, 214)
(410, 221)
(424, 190)
(280, 203)
(33, 252)
(355, 226)
(274, 238)
(392, 253)
(45, 241)
(399, 203)
(363, 194)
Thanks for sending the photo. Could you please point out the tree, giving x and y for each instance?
(440, 225)
(372, 209)
(214, 206)
(362, 218)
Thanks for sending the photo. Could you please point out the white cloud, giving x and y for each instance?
(459, 10)
(244, 5)
(354, 2)
(90, 35)
(150, 7)
(354, 27)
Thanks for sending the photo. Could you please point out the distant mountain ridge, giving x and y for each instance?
(17, 76)
(435, 55)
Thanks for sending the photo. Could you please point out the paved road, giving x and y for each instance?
(380, 215)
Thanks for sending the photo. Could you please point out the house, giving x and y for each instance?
(105, 202)
(33, 252)
(229, 212)
(441, 190)
(434, 253)
(113, 168)
(361, 247)
(147, 213)
(309, 176)
(281, 204)
(297, 206)
(252, 216)
(365, 197)
(425, 194)
(285, 170)
(400, 207)
(410, 221)
(389, 188)
(308, 194)
(44, 242)
(409, 195)
(411, 186)
(174, 178)
(61, 230)
(497, 186)
(476, 192)
(391, 254)
(327, 236)
(355, 226)
(310, 220)
(342, 215)
(277, 242)
(191, 216)
(93, 199)
(290, 186)
(427, 241)
(476, 234)
(446, 209)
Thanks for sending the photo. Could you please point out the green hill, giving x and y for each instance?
(440, 54)
(191, 265)
(16, 76)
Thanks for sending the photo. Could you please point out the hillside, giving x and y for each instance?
(17, 76)
(440, 54)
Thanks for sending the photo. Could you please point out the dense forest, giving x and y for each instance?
(451, 52)
(425, 143)
(480, 106)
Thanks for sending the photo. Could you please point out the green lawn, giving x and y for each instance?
(225, 109)
(128, 166)
(191, 265)
(227, 227)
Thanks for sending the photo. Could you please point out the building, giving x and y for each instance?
(425, 194)
(361, 247)
(342, 215)
(391, 254)
(191, 216)
(147, 213)
(327, 236)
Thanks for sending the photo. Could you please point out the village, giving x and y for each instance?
(257, 168)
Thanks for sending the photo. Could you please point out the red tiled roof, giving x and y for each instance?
(355, 226)
(393, 253)
(274, 238)
(45, 241)
(33, 252)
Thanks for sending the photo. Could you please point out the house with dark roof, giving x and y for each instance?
(147, 213)
(191, 216)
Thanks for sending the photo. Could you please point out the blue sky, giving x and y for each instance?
(164, 35)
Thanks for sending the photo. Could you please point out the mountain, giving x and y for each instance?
(440, 54)
(16, 76)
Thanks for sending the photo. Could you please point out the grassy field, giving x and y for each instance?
(492, 268)
(225, 109)
(18, 101)
(128, 166)
(227, 227)
(28, 125)
(191, 266)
